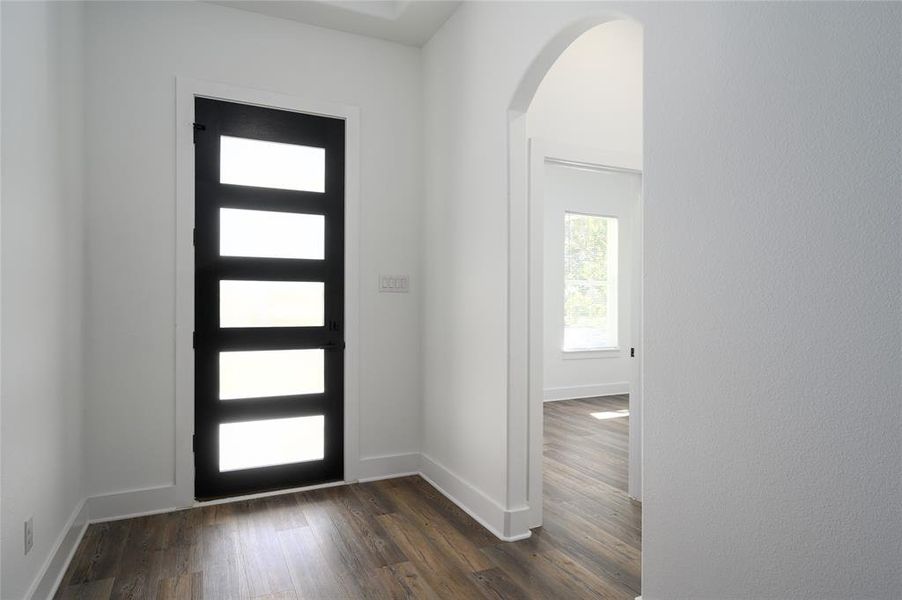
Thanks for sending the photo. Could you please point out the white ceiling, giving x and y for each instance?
(410, 22)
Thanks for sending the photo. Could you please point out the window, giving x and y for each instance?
(590, 282)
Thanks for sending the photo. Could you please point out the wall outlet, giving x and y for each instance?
(398, 284)
(29, 534)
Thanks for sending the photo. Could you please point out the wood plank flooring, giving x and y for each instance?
(398, 538)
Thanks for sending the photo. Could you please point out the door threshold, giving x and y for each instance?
(270, 493)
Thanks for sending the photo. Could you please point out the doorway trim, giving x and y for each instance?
(186, 90)
(540, 153)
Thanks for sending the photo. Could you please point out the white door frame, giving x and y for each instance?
(186, 90)
(541, 152)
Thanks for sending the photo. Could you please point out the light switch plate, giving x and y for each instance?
(395, 284)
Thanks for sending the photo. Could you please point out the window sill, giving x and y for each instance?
(589, 354)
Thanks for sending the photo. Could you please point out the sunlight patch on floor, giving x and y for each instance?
(610, 414)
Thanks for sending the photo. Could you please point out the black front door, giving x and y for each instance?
(269, 299)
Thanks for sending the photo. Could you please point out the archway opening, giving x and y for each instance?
(576, 255)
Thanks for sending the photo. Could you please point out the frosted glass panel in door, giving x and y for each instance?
(252, 444)
(258, 163)
(265, 373)
(270, 303)
(270, 234)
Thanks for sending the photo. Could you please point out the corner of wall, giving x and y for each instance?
(43, 52)
(51, 574)
(506, 524)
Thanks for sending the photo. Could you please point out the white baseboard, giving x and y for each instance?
(165, 498)
(507, 525)
(374, 468)
(586, 391)
(51, 574)
(133, 503)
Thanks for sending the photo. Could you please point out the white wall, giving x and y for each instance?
(465, 256)
(42, 274)
(607, 193)
(772, 304)
(592, 95)
(134, 51)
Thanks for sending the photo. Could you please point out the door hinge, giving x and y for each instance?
(632, 353)
(198, 127)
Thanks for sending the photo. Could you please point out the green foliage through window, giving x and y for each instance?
(590, 271)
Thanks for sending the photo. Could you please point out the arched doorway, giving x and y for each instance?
(526, 275)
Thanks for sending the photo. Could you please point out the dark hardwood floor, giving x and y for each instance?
(398, 538)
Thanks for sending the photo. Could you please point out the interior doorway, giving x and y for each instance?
(583, 133)
(579, 123)
(590, 258)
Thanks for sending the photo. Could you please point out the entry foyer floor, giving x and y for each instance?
(397, 538)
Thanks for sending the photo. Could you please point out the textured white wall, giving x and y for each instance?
(134, 51)
(42, 282)
(772, 284)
